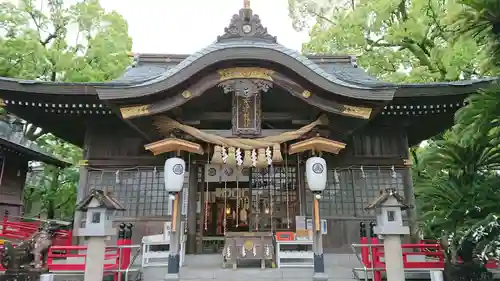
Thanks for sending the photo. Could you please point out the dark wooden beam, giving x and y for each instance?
(297, 118)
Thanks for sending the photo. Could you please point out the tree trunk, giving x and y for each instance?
(53, 189)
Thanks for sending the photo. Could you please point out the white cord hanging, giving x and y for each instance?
(225, 206)
(336, 176)
(363, 175)
(117, 177)
(394, 175)
(224, 155)
(254, 158)
(269, 157)
(239, 158)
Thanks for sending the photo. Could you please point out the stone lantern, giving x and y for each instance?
(100, 207)
(389, 207)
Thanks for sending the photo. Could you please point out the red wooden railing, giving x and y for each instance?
(62, 256)
(73, 258)
(431, 255)
(17, 230)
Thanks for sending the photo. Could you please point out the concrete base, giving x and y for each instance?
(319, 276)
(319, 263)
(173, 264)
(47, 277)
(172, 277)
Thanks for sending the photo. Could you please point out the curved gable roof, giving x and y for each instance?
(339, 81)
(247, 39)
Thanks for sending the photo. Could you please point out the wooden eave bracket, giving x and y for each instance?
(173, 145)
(316, 144)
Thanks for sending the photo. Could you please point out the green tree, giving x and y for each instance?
(481, 21)
(77, 43)
(53, 41)
(396, 40)
(54, 188)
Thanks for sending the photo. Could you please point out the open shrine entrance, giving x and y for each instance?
(248, 200)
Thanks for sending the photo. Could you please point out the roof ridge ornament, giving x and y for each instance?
(246, 25)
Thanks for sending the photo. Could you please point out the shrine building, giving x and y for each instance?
(248, 110)
(16, 152)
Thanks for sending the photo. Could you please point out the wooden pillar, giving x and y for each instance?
(250, 215)
(409, 194)
(199, 245)
(302, 188)
(82, 189)
(192, 208)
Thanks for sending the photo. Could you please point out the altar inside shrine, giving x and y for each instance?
(248, 199)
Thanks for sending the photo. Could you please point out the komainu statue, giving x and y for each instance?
(26, 260)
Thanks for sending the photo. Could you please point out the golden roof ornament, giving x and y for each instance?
(246, 4)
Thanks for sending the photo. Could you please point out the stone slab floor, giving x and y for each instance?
(208, 267)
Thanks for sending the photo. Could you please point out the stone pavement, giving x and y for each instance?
(208, 267)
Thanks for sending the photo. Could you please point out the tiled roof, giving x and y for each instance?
(385, 194)
(18, 142)
(105, 200)
(346, 74)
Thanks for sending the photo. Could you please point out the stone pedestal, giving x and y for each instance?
(96, 248)
(394, 258)
(22, 275)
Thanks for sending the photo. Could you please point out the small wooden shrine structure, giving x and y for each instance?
(248, 111)
(16, 151)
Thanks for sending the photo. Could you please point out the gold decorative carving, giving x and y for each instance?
(2, 102)
(407, 162)
(306, 94)
(316, 144)
(245, 73)
(186, 94)
(356, 111)
(134, 111)
(173, 145)
(83, 163)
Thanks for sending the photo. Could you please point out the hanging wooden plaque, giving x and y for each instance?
(247, 114)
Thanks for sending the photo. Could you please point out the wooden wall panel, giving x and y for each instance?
(13, 179)
(341, 234)
(114, 141)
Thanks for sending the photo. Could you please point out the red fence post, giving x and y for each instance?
(127, 242)
(123, 258)
(365, 252)
(69, 237)
(119, 250)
